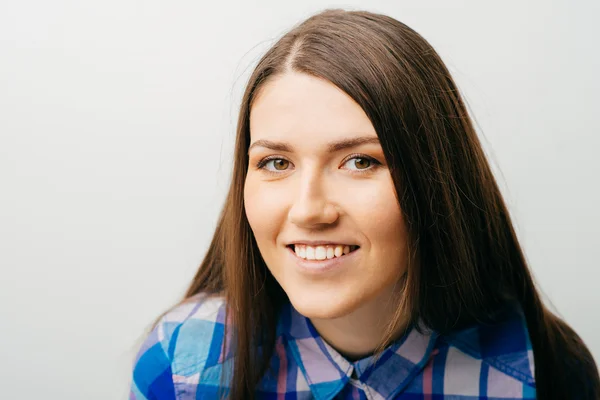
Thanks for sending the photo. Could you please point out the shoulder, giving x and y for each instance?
(192, 332)
(496, 358)
(182, 346)
(578, 369)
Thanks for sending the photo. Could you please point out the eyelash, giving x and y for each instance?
(261, 164)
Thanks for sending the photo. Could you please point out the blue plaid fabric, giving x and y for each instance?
(183, 359)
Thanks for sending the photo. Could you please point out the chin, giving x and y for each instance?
(322, 307)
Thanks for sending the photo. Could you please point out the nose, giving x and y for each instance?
(311, 207)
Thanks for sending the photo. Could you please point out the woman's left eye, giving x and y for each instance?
(360, 163)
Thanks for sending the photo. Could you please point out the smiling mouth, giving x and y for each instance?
(321, 252)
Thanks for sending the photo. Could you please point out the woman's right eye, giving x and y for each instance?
(274, 164)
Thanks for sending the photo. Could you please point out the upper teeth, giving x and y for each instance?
(321, 252)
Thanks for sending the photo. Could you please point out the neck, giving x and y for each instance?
(358, 334)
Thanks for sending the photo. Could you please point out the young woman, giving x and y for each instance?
(364, 250)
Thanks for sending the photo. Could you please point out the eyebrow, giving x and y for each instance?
(331, 147)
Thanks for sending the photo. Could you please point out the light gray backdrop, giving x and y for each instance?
(116, 129)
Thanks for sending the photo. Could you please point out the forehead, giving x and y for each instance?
(297, 106)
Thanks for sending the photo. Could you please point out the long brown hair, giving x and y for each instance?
(465, 261)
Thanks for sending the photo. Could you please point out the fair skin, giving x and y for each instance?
(308, 190)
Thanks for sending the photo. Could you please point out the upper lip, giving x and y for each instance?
(320, 242)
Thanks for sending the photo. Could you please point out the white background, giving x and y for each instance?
(117, 121)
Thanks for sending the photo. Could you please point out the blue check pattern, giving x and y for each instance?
(183, 359)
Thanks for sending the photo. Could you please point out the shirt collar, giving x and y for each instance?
(327, 371)
(504, 344)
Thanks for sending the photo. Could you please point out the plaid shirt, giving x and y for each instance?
(182, 359)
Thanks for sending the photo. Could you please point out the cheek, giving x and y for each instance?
(380, 220)
(263, 209)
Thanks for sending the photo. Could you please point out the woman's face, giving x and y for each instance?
(317, 187)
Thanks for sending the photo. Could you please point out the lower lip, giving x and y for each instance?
(322, 266)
